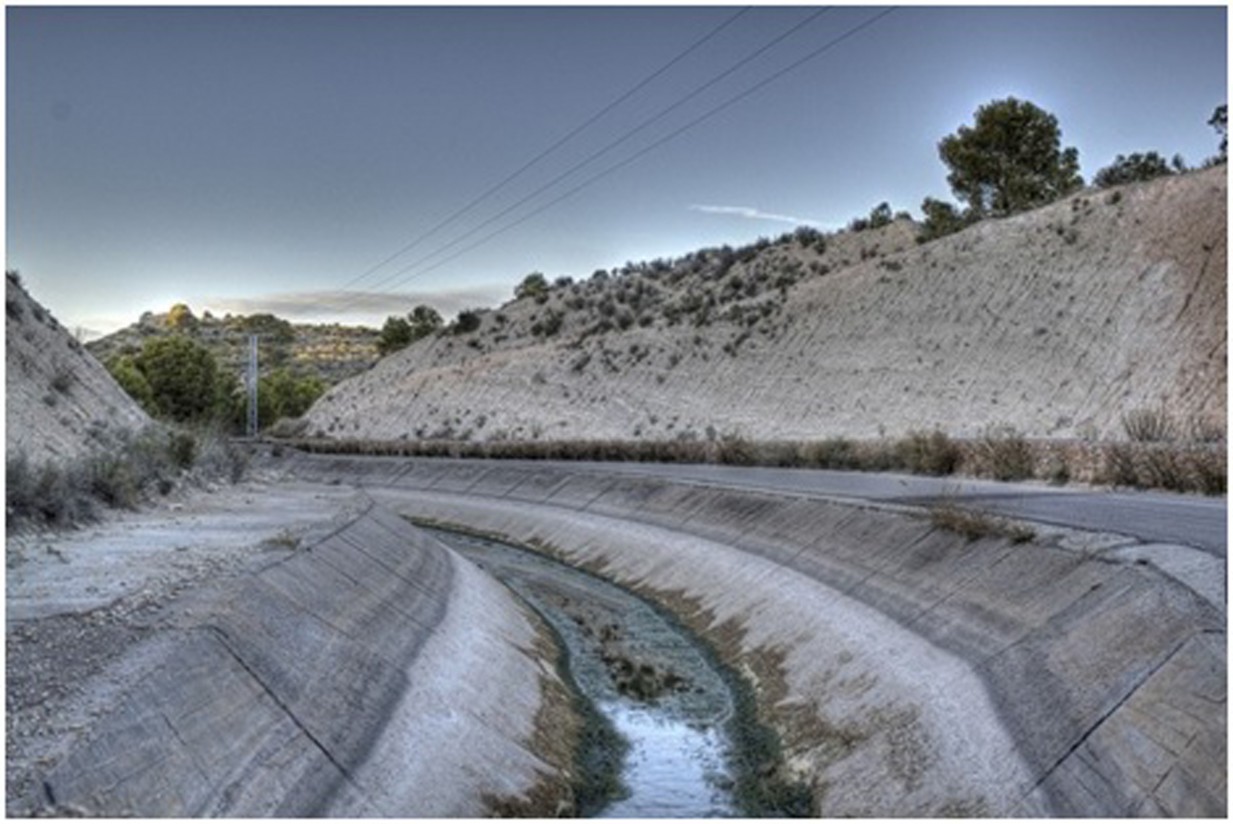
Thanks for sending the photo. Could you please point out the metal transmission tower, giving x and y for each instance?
(252, 386)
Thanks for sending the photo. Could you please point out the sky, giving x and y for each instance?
(245, 159)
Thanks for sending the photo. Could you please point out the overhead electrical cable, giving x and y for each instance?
(549, 150)
(666, 138)
(607, 148)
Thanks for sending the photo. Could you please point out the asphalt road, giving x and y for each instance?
(1153, 517)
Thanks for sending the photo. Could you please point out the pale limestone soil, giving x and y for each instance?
(60, 401)
(1056, 322)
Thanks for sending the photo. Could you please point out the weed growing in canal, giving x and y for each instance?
(757, 759)
(973, 525)
(761, 786)
(600, 749)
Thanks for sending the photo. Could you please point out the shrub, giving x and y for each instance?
(1132, 169)
(973, 525)
(1148, 425)
(47, 494)
(1209, 470)
(1004, 454)
(534, 285)
(949, 516)
(735, 449)
(1057, 470)
(468, 320)
(832, 453)
(284, 395)
(1205, 429)
(1119, 467)
(395, 335)
(1163, 468)
(941, 219)
(182, 448)
(62, 379)
(932, 453)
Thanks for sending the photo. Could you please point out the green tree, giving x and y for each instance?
(941, 219)
(1131, 169)
(132, 380)
(281, 394)
(468, 320)
(399, 333)
(1010, 160)
(534, 285)
(1220, 122)
(230, 402)
(395, 335)
(182, 376)
(880, 216)
(269, 326)
(424, 321)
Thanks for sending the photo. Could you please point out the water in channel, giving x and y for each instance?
(641, 671)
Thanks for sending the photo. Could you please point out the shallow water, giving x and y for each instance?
(642, 671)
(673, 770)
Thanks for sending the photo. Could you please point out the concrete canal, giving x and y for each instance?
(668, 725)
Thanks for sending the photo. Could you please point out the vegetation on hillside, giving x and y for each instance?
(1010, 160)
(178, 380)
(328, 352)
(1137, 167)
(399, 333)
(142, 466)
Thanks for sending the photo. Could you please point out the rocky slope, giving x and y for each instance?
(1057, 322)
(61, 403)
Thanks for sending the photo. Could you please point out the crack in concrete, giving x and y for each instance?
(223, 639)
(1108, 713)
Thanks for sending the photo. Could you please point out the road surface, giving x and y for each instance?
(1152, 517)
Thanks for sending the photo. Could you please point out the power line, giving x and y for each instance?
(556, 145)
(606, 149)
(651, 147)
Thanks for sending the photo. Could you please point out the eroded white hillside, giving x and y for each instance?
(1056, 322)
(61, 403)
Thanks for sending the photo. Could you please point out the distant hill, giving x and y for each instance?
(1057, 322)
(331, 352)
(61, 403)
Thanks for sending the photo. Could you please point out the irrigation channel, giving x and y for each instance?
(668, 724)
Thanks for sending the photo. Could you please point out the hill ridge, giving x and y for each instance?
(1056, 322)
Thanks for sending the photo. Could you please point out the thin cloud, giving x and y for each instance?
(330, 305)
(750, 213)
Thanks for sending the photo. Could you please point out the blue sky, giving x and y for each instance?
(266, 159)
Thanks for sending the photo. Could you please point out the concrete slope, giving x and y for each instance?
(910, 671)
(318, 685)
(60, 401)
(1057, 322)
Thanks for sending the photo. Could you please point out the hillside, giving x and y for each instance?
(61, 403)
(1056, 322)
(331, 352)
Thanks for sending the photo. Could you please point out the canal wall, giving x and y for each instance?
(910, 671)
(372, 672)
